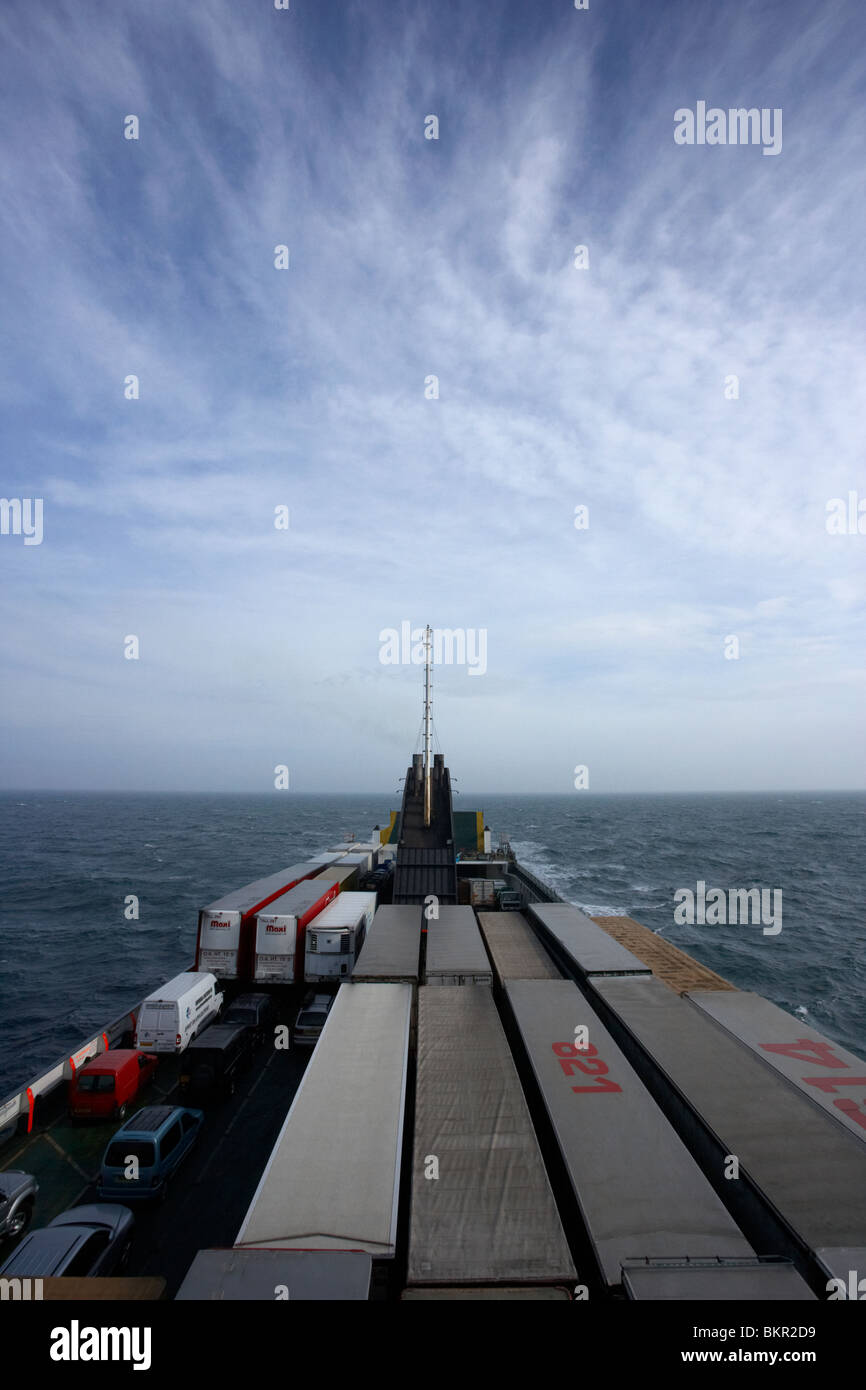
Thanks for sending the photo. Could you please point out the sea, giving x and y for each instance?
(73, 957)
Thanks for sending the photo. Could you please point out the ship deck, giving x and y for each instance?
(207, 1199)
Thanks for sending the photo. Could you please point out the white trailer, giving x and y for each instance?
(335, 939)
(332, 1181)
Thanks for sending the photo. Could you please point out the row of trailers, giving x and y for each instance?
(563, 1125)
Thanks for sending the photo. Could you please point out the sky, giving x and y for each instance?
(432, 388)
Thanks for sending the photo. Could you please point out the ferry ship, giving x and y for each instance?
(507, 1100)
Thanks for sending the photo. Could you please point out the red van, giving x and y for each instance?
(104, 1087)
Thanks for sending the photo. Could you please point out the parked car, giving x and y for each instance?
(214, 1060)
(17, 1194)
(311, 1018)
(87, 1240)
(254, 1011)
(158, 1138)
(104, 1087)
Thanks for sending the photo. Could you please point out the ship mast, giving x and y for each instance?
(428, 642)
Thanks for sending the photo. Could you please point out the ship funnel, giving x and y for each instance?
(487, 839)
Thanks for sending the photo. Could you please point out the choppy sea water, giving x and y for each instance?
(70, 961)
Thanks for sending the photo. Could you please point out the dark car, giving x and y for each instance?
(158, 1139)
(17, 1194)
(214, 1060)
(90, 1240)
(254, 1011)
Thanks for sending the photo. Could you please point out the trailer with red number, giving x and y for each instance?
(827, 1073)
(640, 1194)
(793, 1156)
(281, 930)
(226, 928)
(486, 1213)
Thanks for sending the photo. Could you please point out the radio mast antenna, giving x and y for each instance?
(428, 642)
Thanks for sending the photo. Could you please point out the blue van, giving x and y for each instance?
(146, 1151)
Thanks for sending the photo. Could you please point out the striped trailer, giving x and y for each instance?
(806, 1168)
(332, 1181)
(514, 948)
(455, 951)
(482, 1209)
(392, 948)
(640, 1194)
(225, 944)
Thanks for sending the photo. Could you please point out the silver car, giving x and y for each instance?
(17, 1195)
(88, 1240)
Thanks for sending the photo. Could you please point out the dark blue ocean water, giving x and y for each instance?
(70, 962)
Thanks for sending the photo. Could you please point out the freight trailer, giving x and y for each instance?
(807, 1169)
(582, 947)
(515, 950)
(346, 879)
(363, 848)
(640, 1193)
(332, 1181)
(226, 930)
(827, 1073)
(335, 940)
(301, 1276)
(486, 1214)
(362, 858)
(393, 947)
(455, 951)
(281, 930)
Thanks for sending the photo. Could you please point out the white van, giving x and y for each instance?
(174, 1014)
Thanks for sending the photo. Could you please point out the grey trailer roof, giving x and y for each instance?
(640, 1191)
(515, 950)
(808, 1167)
(587, 946)
(393, 945)
(297, 899)
(765, 1028)
(711, 1281)
(246, 898)
(221, 1275)
(500, 1294)
(338, 875)
(490, 1213)
(332, 1180)
(454, 945)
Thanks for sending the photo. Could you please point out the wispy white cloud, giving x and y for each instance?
(558, 386)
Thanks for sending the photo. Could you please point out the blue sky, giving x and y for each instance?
(559, 387)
